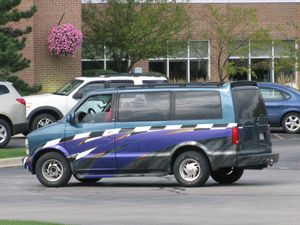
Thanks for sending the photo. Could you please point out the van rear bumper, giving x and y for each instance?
(257, 161)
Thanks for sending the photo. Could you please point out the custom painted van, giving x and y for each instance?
(192, 131)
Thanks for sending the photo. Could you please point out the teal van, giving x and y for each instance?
(192, 131)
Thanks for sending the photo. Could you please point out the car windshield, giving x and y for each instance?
(68, 88)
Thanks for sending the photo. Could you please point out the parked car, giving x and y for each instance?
(12, 113)
(44, 109)
(283, 106)
(191, 131)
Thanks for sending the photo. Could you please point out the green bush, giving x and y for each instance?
(96, 72)
(22, 87)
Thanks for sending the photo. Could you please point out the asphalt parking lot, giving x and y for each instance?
(269, 196)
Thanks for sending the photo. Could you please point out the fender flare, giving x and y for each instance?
(45, 108)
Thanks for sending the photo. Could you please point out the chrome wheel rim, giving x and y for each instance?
(292, 123)
(3, 133)
(189, 169)
(52, 170)
(44, 122)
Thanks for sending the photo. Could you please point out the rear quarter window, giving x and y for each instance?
(3, 90)
(195, 105)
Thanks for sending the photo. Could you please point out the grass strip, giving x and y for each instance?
(12, 152)
(19, 222)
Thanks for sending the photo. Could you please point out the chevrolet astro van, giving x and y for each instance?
(192, 131)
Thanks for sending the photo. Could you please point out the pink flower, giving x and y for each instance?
(64, 40)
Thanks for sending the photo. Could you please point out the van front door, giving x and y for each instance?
(90, 136)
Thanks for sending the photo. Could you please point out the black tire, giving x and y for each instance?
(54, 179)
(87, 180)
(199, 166)
(291, 123)
(5, 133)
(42, 120)
(227, 175)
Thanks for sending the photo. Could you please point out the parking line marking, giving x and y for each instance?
(279, 137)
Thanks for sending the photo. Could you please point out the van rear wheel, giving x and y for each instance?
(191, 169)
(227, 175)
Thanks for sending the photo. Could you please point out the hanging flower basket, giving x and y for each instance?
(64, 40)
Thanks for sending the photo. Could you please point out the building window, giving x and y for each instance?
(189, 64)
(266, 61)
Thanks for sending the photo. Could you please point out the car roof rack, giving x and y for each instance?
(132, 75)
(180, 85)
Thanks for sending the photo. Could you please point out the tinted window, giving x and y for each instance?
(149, 82)
(96, 109)
(3, 90)
(197, 105)
(91, 87)
(120, 83)
(271, 94)
(151, 106)
(249, 104)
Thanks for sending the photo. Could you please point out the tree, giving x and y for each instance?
(12, 40)
(231, 29)
(134, 30)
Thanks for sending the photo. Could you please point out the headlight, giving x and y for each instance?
(26, 146)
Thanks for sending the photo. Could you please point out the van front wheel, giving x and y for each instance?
(53, 169)
(191, 169)
(227, 175)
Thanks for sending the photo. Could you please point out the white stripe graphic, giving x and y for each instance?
(231, 125)
(53, 142)
(92, 139)
(141, 129)
(83, 135)
(173, 127)
(82, 154)
(111, 132)
(204, 126)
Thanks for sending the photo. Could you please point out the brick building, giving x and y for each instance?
(52, 71)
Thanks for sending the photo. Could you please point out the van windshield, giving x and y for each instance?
(249, 104)
(68, 88)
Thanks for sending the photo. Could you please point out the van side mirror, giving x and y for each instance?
(71, 118)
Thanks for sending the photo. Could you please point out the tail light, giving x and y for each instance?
(21, 100)
(235, 135)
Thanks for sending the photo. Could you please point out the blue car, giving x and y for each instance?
(283, 106)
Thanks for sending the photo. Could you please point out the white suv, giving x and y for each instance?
(12, 113)
(44, 109)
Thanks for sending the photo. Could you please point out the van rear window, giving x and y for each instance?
(249, 103)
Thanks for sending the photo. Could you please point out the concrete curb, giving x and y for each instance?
(10, 162)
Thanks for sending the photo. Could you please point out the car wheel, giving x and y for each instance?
(191, 169)
(42, 120)
(5, 133)
(53, 169)
(291, 123)
(87, 180)
(227, 175)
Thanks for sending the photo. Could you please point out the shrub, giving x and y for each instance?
(96, 72)
(22, 87)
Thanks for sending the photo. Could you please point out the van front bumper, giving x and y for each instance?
(257, 161)
(27, 163)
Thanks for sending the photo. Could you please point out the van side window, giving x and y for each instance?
(144, 106)
(195, 105)
(96, 109)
